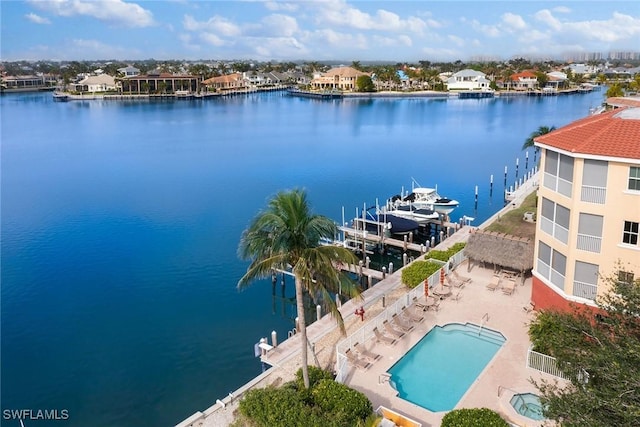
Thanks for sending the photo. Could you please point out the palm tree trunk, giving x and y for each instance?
(302, 324)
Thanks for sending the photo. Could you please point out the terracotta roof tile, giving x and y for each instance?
(612, 134)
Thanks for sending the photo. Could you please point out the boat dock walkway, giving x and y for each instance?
(351, 233)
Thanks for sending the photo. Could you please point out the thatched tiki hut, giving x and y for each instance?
(502, 251)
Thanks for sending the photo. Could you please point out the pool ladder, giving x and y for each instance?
(384, 378)
(483, 319)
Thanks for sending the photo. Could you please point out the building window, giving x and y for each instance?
(555, 220)
(630, 233)
(558, 173)
(625, 277)
(634, 178)
(594, 181)
(589, 232)
(585, 281)
(552, 264)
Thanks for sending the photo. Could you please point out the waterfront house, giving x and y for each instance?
(557, 79)
(99, 83)
(341, 78)
(158, 82)
(30, 82)
(468, 80)
(525, 80)
(234, 81)
(588, 209)
(129, 71)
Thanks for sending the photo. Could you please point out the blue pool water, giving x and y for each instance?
(528, 405)
(439, 369)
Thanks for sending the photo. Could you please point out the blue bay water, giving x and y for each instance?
(121, 220)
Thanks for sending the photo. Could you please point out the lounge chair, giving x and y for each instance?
(494, 283)
(385, 339)
(393, 331)
(509, 287)
(402, 324)
(366, 354)
(356, 361)
(413, 315)
(453, 282)
(460, 278)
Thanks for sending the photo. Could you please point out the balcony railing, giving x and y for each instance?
(593, 194)
(589, 243)
(585, 290)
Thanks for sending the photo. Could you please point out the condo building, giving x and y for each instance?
(588, 213)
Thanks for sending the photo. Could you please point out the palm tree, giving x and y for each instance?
(287, 235)
(542, 130)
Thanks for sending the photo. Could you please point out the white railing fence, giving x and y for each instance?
(543, 363)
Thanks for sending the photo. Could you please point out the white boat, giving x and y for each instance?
(425, 198)
(409, 211)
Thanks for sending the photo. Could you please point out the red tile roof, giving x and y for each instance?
(612, 134)
(524, 75)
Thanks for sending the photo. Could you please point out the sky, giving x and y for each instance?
(313, 30)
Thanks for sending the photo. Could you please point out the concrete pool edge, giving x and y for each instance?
(493, 338)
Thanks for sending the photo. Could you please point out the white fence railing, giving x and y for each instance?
(543, 363)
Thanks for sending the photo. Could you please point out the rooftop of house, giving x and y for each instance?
(612, 134)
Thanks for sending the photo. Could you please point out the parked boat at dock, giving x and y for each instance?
(423, 198)
(410, 211)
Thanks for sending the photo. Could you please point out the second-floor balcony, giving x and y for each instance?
(585, 290)
(589, 243)
(592, 194)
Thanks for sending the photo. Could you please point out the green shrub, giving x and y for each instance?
(418, 271)
(477, 417)
(278, 407)
(315, 375)
(445, 255)
(340, 403)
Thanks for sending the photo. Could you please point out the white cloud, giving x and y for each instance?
(279, 25)
(619, 27)
(487, 30)
(401, 40)
(278, 5)
(216, 24)
(277, 48)
(212, 39)
(335, 39)
(89, 48)
(36, 19)
(547, 18)
(513, 21)
(458, 41)
(561, 9)
(339, 13)
(115, 12)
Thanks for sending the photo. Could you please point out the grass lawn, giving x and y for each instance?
(512, 222)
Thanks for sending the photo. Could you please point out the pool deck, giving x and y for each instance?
(505, 375)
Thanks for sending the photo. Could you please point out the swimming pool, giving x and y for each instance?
(440, 368)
